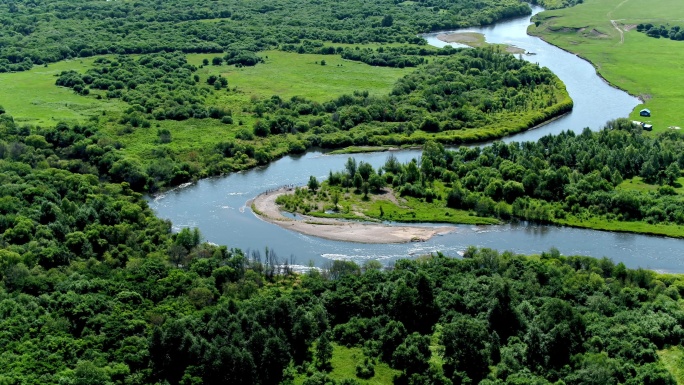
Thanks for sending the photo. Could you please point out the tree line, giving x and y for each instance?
(674, 32)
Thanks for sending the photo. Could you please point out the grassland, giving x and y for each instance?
(344, 363)
(637, 184)
(288, 74)
(646, 67)
(673, 359)
(284, 74)
(31, 97)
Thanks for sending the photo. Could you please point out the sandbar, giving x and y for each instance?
(474, 39)
(264, 207)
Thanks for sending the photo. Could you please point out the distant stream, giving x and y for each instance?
(217, 205)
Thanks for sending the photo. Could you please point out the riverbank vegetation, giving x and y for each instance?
(596, 180)
(605, 32)
(95, 289)
(198, 88)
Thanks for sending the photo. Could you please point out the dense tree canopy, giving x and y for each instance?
(37, 32)
(94, 289)
(157, 85)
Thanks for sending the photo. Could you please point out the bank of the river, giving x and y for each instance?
(602, 32)
(266, 208)
(603, 224)
(388, 206)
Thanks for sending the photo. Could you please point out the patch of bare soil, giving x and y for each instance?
(387, 195)
(514, 50)
(467, 38)
(596, 33)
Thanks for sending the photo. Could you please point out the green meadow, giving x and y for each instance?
(289, 74)
(284, 74)
(637, 184)
(31, 97)
(344, 363)
(673, 359)
(652, 69)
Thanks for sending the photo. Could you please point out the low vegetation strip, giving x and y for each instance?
(266, 208)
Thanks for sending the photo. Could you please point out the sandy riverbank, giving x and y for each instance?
(265, 207)
(474, 39)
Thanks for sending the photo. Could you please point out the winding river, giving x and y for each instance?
(217, 205)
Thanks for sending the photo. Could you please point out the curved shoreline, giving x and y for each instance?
(265, 208)
(596, 68)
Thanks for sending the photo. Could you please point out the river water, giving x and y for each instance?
(217, 205)
(596, 102)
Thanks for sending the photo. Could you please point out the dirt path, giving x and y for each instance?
(265, 207)
(622, 34)
(613, 22)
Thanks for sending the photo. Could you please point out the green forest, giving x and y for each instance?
(168, 309)
(104, 101)
(96, 289)
(40, 31)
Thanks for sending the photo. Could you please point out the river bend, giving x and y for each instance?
(217, 206)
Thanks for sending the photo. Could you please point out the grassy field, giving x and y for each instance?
(344, 366)
(637, 184)
(288, 74)
(284, 74)
(31, 97)
(646, 67)
(673, 359)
